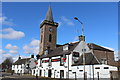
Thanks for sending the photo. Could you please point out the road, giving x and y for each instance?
(8, 76)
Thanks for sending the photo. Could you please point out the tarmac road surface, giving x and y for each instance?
(8, 76)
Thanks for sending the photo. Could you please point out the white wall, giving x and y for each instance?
(18, 68)
(103, 73)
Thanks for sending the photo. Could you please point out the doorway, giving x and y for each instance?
(49, 73)
(61, 73)
(40, 72)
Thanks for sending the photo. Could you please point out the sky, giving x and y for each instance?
(60, 0)
(20, 32)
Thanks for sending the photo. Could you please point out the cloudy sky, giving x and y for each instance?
(20, 25)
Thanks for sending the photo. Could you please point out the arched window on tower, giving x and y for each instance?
(50, 38)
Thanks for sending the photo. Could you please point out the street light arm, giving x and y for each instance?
(80, 21)
(81, 24)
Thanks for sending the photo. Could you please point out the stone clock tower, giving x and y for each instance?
(48, 33)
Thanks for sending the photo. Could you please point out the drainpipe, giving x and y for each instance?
(68, 66)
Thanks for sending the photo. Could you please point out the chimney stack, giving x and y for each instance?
(38, 56)
(19, 58)
(81, 38)
(32, 56)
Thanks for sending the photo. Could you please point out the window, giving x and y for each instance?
(50, 29)
(13, 66)
(97, 68)
(18, 71)
(80, 70)
(50, 38)
(83, 50)
(70, 70)
(104, 61)
(106, 67)
(46, 52)
(42, 30)
(34, 72)
(27, 66)
(65, 47)
(17, 66)
(41, 38)
(21, 71)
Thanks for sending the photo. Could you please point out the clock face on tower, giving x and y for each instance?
(50, 29)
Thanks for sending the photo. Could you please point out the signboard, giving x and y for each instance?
(45, 61)
(55, 60)
(75, 54)
(52, 60)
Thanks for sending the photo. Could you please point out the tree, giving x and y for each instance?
(7, 63)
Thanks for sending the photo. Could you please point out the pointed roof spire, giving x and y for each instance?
(49, 15)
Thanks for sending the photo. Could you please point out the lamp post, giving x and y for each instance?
(83, 44)
(81, 24)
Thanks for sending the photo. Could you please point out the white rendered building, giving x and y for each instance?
(24, 65)
(67, 62)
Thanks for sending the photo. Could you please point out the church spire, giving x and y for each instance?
(49, 15)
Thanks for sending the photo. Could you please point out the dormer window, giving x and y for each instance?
(46, 52)
(65, 47)
(104, 61)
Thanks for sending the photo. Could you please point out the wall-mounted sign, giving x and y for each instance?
(45, 61)
(55, 60)
(75, 54)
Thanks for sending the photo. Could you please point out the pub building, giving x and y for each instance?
(71, 60)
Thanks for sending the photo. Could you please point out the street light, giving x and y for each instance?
(82, 25)
(83, 44)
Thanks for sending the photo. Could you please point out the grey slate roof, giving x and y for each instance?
(97, 47)
(89, 60)
(49, 15)
(21, 61)
(59, 51)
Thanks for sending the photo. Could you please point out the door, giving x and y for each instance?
(49, 73)
(61, 73)
(40, 72)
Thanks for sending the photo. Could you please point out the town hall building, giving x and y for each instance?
(71, 60)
